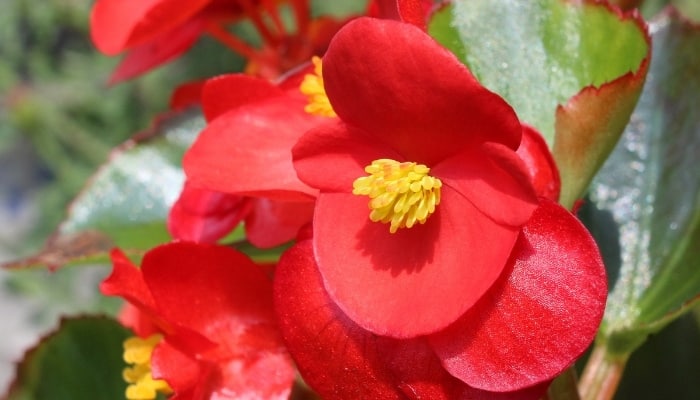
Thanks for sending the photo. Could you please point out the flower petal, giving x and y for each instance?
(540, 164)
(118, 24)
(331, 156)
(357, 364)
(205, 216)
(146, 56)
(224, 93)
(126, 281)
(207, 287)
(494, 179)
(272, 223)
(539, 317)
(408, 91)
(248, 151)
(432, 272)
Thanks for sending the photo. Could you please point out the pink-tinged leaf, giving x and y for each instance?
(429, 271)
(540, 164)
(588, 126)
(205, 216)
(539, 317)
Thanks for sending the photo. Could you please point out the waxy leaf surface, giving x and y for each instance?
(573, 71)
(645, 210)
(81, 360)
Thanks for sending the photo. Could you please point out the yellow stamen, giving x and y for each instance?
(312, 87)
(137, 351)
(400, 193)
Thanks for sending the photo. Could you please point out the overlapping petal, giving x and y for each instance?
(432, 272)
(201, 215)
(356, 363)
(404, 89)
(540, 164)
(539, 317)
(214, 307)
(247, 151)
(118, 24)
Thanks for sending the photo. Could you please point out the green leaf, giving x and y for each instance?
(646, 198)
(126, 202)
(538, 55)
(82, 360)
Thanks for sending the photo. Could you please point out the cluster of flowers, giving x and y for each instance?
(430, 258)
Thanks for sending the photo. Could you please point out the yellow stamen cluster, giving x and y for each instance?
(400, 193)
(142, 386)
(312, 87)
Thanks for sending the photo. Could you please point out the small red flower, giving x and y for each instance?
(432, 259)
(213, 308)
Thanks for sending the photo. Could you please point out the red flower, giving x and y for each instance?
(396, 102)
(156, 31)
(455, 256)
(213, 307)
(245, 153)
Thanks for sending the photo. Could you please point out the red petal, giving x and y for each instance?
(144, 57)
(224, 93)
(220, 293)
(540, 164)
(201, 215)
(183, 277)
(432, 272)
(394, 87)
(133, 318)
(330, 157)
(356, 364)
(539, 317)
(272, 223)
(119, 24)
(494, 179)
(126, 281)
(178, 369)
(334, 356)
(186, 95)
(248, 151)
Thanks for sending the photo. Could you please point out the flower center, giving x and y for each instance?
(312, 87)
(142, 386)
(400, 193)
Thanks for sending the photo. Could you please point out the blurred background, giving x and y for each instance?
(58, 123)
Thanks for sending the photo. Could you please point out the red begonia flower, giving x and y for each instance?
(245, 151)
(214, 308)
(401, 96)
(539, 316)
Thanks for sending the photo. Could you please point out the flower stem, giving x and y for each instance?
(602, 375)
(564, 386)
